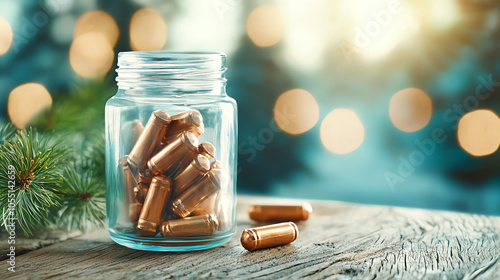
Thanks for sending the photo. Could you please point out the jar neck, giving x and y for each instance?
(171, 73)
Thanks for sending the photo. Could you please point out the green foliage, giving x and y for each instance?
(7, 131)
(79, 111)
(59, 182)
(36, 160)
(83, 202)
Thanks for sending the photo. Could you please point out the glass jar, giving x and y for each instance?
(171, 146)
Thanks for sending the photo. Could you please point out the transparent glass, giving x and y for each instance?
(141, 188)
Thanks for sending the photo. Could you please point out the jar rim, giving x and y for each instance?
(165, 58)
(178, 70)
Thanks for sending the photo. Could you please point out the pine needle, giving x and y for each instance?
(84, 199)
(35, 159)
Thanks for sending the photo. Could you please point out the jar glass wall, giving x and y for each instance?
(171, 146)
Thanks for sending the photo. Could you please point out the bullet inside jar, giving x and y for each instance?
(190, 226)
(216, 165)
(146, 176)
(190, 199)
(141, 191)
(263, 213)
(198, 167)
(149, 139)
(169, 138)
(154, 206)
(207, 149)
(129, 182)
(185, 121)
(173, 153)
(209, 206)
(269, 236)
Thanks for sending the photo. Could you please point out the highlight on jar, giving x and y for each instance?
(171, 181)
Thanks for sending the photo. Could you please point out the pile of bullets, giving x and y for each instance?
(171, 182)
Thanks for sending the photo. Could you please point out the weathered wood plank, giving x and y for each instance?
(339, 241)
(43, 239)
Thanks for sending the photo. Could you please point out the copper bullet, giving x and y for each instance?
(190, 199)
(269, 236)
(146, 176)
(149, 139)
(263, 213)
(185, 121)
(191, 174)
(209, 206)
(141, 191)
(129, 183)
(207, 149)
(216, 165)
(212, 205)
(153, 209)
(173, 153)
(169, 138)
(190, 226)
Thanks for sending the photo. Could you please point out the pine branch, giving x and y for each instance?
(84, 201)
(7, 130)
(35, 159)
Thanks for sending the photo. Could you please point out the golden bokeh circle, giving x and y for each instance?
(410, 109)
(26, 102)
(479, 132)
(97, 21)
(148, 30)
(342, 131)
(91, 55)
(265, 26)
(296, 111)
(6, 36)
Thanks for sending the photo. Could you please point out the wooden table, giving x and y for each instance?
(339, 241)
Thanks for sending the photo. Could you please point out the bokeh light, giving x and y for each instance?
(97, 21)
(91, 55)
(265, 26)
(410, 109)
(148, 30)
(296, 111)
(26, 102)
(443, 14)
(6, 35)
(342, 131)
(479, 132)
(379, 26)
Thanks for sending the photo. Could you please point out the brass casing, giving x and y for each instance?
(209, 206)
(153, 209)
(190, 199)
(216, 165)
(185, 121)
(129, 183)
(207, 149)
(149, 139)
(190, 226)
(269, 236)
(141, 191)
(198, 167)
(280, 213)
(173, 153)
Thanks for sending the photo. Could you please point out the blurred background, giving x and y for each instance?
(383, 101)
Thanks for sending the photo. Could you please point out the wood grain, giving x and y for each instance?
(339, 241)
